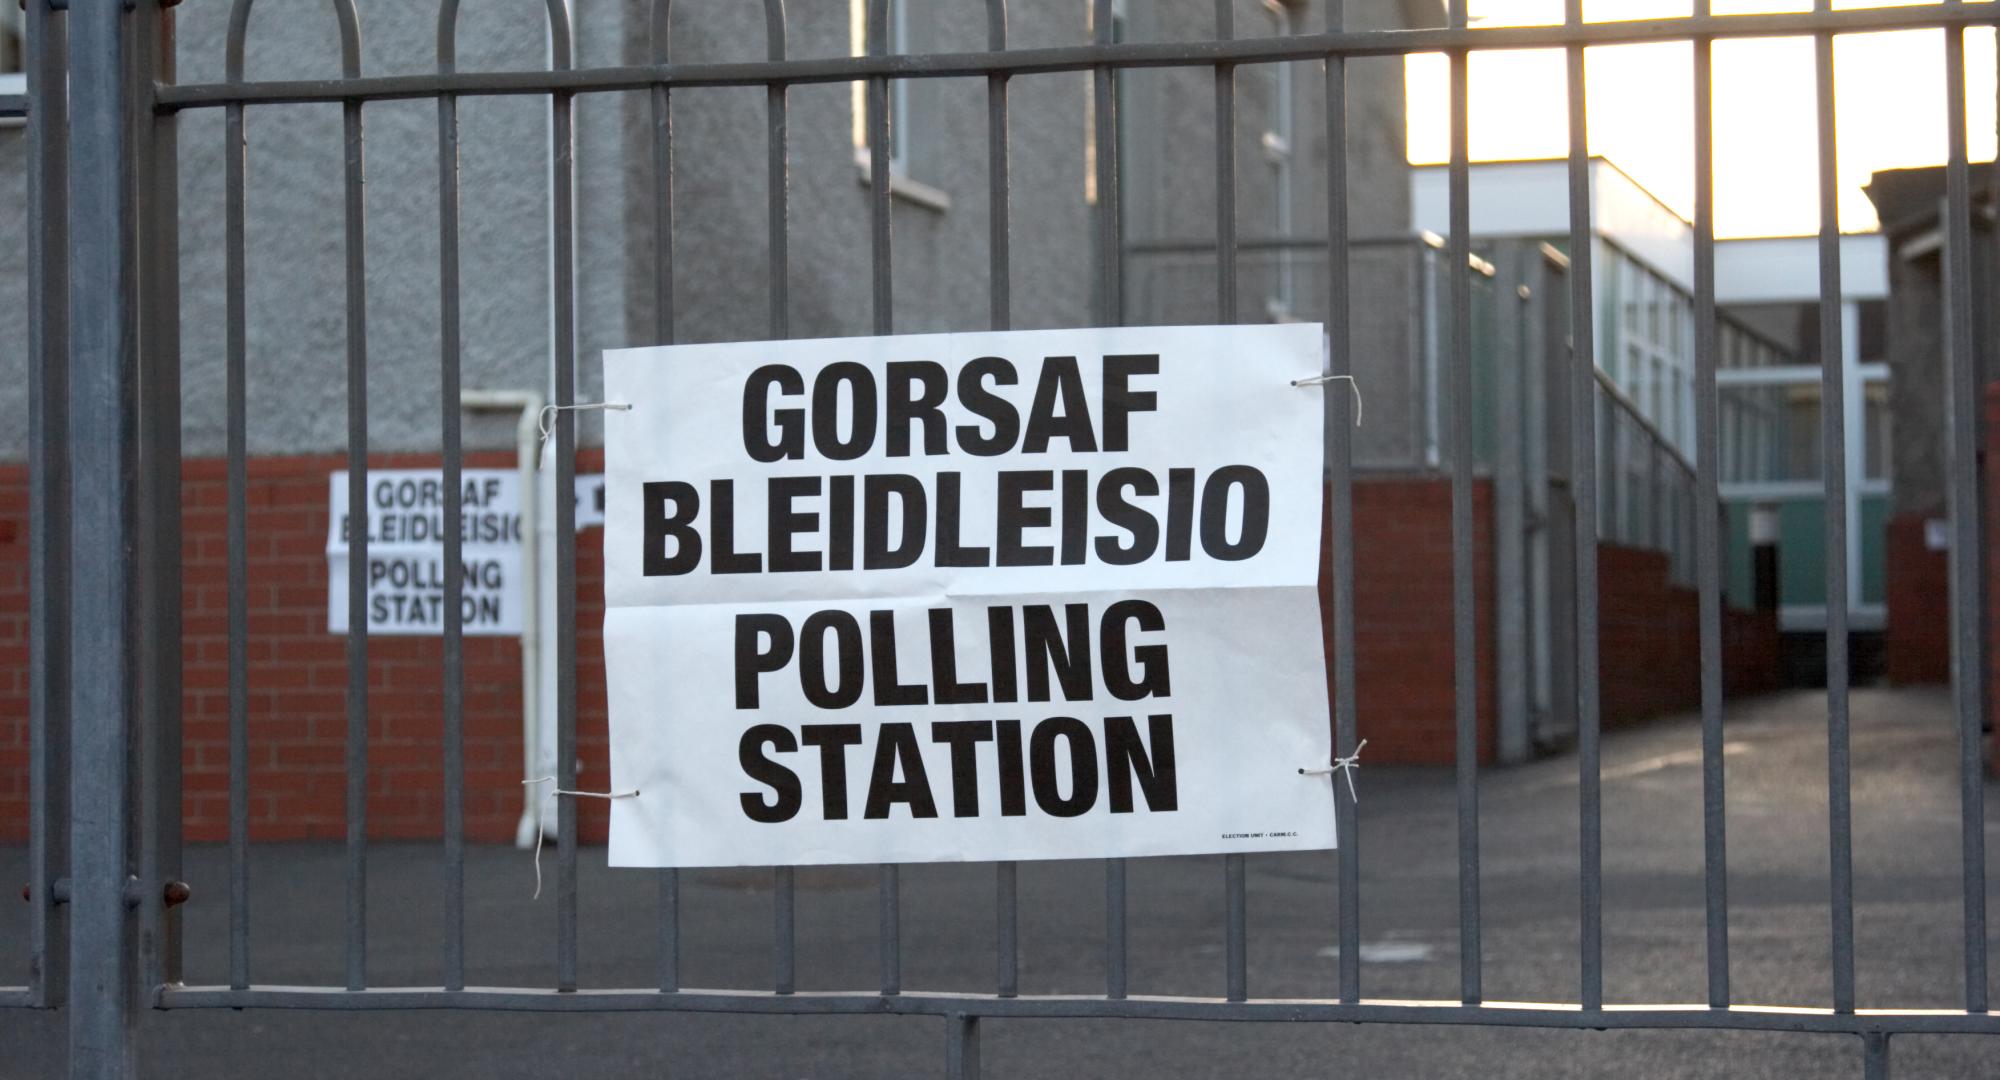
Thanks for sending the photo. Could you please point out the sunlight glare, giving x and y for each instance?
(1888, 98)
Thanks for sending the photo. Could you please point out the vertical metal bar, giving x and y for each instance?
(777, 178)
(1425, 338)
(784, 904)
(1340, 500)
(1114, 929)
(998, 197)
(1235, 917)
(1656, 492)
(1512, 667)
(1007, 893)
(1968, 597)
(48, 496)
(879, 177)
(1225, 172)
(454, 463)
(1684, 521)
(1707, 525)
(1540, 520)
(961, 1048)
(668, 958)
(355, 217)
(1235, 902)
(1110, 260)
(880, 208)
(1875, 1044)
(1833, 442)
(160, 439)
(1465, 671)
(103, 495)
(236, 453)
(1583, 487)
(1007, 934)
(562, 159)
(1110, 313)
(892, 921)
(1618, 441)
(669, 949)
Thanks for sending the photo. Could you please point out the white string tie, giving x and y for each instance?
(1352, 384)
(632, 794)
(1344, 766)
(547, 422)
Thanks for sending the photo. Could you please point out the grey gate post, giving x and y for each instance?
(103, 493)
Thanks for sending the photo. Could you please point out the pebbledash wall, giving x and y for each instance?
(298, 671)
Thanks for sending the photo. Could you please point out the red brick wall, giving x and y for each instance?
(1649, 640)
(13, 654)
(1750, 657)
(298, 671)
(1404, 689)
(298, 677)
(1992, 494)
(1916, 641)
(298, 680)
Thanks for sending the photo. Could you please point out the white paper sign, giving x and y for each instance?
(406, 552)
(589, 500)
(1030, 595)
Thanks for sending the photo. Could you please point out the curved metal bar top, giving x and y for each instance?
(239, 26)
(561, 52)
(661, 32)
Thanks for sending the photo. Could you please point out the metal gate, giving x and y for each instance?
(104, 181)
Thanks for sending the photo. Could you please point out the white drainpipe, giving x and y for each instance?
(527, 440)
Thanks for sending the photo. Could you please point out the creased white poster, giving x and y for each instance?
(1023, 595)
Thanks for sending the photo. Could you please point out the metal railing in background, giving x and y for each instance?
(105, 371)
(1169, 282)
(1647, 476)
(1647, 495)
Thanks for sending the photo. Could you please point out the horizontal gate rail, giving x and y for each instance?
(1133, 1006)
(1070, 58)
(109, 253)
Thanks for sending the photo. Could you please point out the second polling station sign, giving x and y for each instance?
(985, 596)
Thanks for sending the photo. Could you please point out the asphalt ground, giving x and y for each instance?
(1908, 921)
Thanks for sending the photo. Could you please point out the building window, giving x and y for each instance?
(1118, 24)
(908, 125)
(13, 51)
(1650, 355)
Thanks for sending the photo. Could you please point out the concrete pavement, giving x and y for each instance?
(1908, 918)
